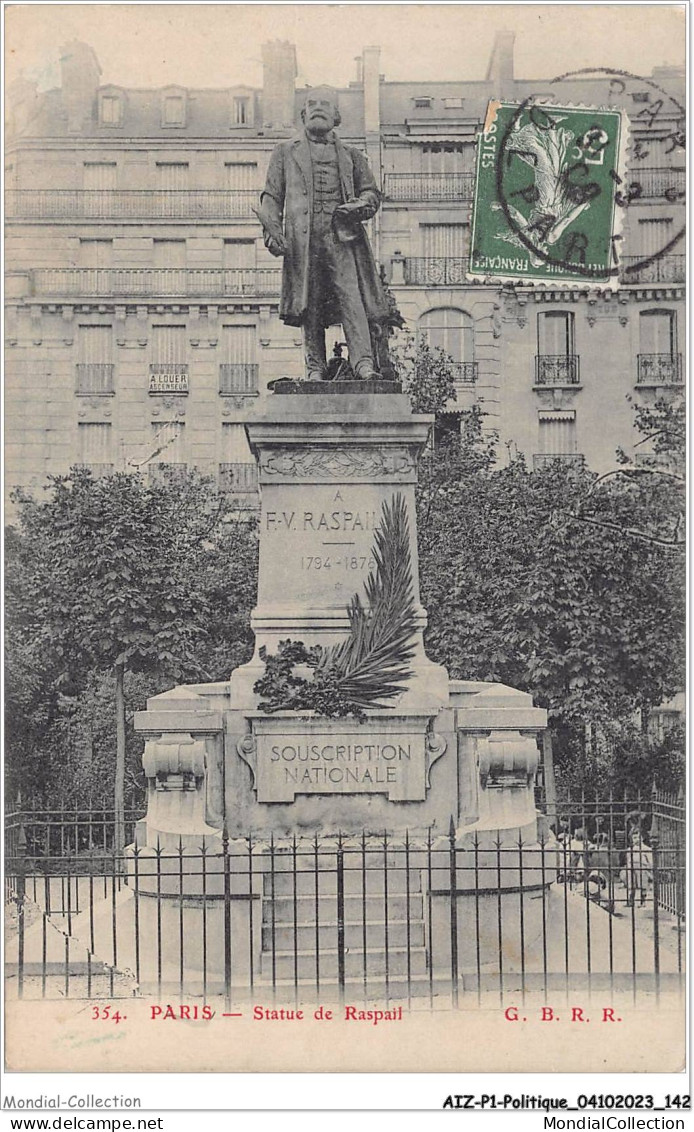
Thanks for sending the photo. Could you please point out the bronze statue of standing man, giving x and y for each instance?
(318, 192)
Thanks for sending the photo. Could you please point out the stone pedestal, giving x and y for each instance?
(440, 755)
(326, 464)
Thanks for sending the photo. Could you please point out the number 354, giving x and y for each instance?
(107, 1014)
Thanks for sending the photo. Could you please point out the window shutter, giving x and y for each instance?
(445, 241)
(95, 444)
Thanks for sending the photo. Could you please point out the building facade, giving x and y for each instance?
(141, 304)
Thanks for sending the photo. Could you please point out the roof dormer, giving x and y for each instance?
(111, 106)
(241, 106)
(174, 107)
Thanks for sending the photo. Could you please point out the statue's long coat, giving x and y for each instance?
(288, 196)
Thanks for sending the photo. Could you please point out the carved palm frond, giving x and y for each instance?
(372, 663)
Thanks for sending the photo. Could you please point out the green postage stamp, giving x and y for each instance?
(545, 205)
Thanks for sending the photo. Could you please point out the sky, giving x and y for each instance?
(219, 45)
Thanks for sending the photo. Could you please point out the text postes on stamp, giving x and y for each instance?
(544, 207)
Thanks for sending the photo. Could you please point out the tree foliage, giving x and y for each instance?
(559, 582)
(112, 576)
(427, 374)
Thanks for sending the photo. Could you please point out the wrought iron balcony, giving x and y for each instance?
(94, 378)
(238, 377)
(96, 469)
(159, 282)
(444, 271)
(413, 187)
(545, 459)
(238, 478)
(464, 373)
(166, 472)
(655, 460)
(660, 462)
(666, 269)
(656, 184)
(557, 369)
(659, 369)
(130, 204)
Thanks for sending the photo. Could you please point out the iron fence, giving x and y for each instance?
(238, 377)
(441, 271)
(596, 901)
(656, 183)
(167, 471)
(546, 459)
(97, 469)
(665, 269)
(161, 282)
(94, 378)
(465, 373)
(238, 478)
(124, 204)
(429, 186)
(659, 369)
(557, 369)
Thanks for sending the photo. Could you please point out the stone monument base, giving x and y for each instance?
(336, 847)
(271, 809)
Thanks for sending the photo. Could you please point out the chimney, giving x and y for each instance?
(80, 73)
(371, 61)
(500, 70)
(279, 75)
(22, 102)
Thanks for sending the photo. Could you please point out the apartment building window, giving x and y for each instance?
(448, 157)
(658, 332)
(445, 241)
(95, 447)
(654, 152)
(96, 253)
(239, 253)
(556, 360)
(557, 438)
(173, 110)
(423, 103)
(237, 469)
(172, 175)
(453, 103)
(443, 258)
(168, 370)
(452, 331)
(169, 253)
(238, 369)
(110, 108)
(658, 361)
(99, 176)
(241, 175)
(653, 234)
(555, 332)
(241, 110)
(169, 344)
(558, 433)
(168, 459)
(95, 360)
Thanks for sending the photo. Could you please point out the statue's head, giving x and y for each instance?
(319, 111)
